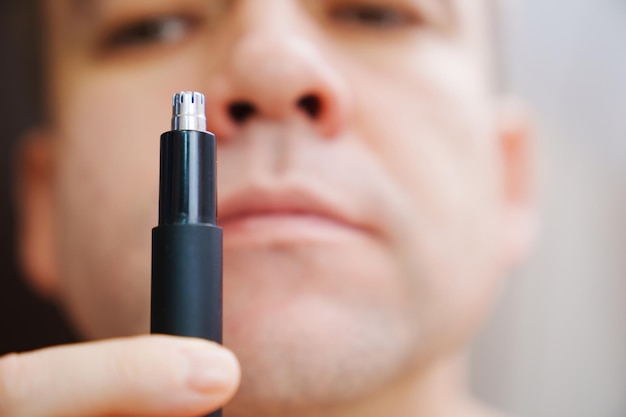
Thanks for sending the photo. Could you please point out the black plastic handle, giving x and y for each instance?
(187, 244)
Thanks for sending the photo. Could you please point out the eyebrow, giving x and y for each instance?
(444, 12)
(90, 9)
(83, 4)
(449, 8)
(85, 8)
(450, 11)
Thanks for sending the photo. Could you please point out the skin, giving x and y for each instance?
(364, 309)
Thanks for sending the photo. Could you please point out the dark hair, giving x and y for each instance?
(23, 51)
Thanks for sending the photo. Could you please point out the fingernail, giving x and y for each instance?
(211, 369)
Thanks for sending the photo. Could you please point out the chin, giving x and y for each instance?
(313, 326)
(313, 352)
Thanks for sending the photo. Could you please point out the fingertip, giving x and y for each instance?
(214, 370)
(143, 375)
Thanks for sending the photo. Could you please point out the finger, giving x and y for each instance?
(141, 376)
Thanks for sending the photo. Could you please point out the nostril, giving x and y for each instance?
(241, 111)
(311, 104)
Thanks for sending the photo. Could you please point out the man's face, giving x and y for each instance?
(362, 180)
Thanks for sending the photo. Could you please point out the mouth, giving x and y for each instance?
(263, 216)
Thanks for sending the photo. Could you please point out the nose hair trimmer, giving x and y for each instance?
(187, 243)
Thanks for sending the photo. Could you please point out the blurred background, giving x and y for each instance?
(25, 321)
(556, 345)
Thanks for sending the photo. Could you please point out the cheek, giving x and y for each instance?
(109, 120)
(107, 195)
(109, 158)
(433, 133)
(317, 312)
(107, 185)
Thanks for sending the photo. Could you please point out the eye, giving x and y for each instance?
(374, 16)
(146, 32)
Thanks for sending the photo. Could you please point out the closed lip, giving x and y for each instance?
(254, 202)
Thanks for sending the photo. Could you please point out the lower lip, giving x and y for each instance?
(284, 227)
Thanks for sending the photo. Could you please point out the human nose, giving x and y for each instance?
(276, 77)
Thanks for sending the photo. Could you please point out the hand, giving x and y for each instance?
(141, 376)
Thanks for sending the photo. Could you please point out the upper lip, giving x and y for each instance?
(253, 201)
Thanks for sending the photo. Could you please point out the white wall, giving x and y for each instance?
(557, 343)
